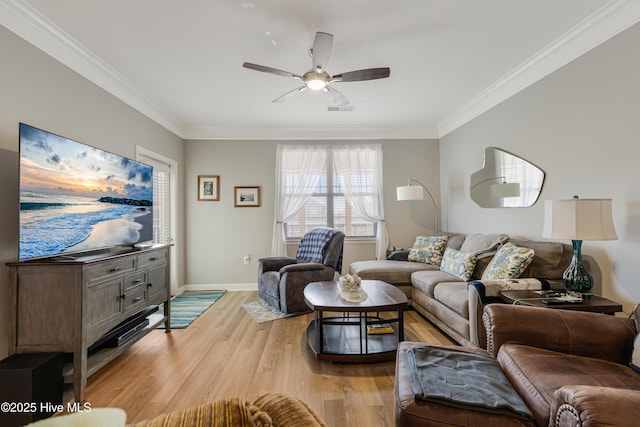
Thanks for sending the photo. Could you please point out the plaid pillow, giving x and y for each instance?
(314, 243)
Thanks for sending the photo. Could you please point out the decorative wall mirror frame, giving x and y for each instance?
(505, 181)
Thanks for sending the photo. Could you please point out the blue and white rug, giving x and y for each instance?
(186, 307)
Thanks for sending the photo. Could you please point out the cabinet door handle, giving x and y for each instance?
(149, 285)
(114, 269)
(123, 296)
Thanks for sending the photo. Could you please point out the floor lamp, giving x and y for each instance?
(577, 220)
(416, 192)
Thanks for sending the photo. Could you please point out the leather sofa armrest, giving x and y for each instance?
(572, 332)
(303, 266)
(588, 406)
(274, 263)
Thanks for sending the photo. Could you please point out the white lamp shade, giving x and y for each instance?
(505, 189)
(409, 192)
(579, 219)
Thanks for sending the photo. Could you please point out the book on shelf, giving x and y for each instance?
(379, 329)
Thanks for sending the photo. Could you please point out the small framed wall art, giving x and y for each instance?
(209, 188)
(246, 197)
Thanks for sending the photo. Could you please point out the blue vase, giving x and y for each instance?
(576, 277)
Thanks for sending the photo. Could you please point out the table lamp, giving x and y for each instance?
(577, 220)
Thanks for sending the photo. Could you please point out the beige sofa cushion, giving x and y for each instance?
(426, 281)
(455, 296)
(394, 272)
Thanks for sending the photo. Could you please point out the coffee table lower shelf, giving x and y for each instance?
(345, 340)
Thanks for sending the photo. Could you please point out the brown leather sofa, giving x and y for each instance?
(569, 367)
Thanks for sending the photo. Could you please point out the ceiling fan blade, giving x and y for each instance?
(360, 75)
(321, 50)
(336, 97)
(289, 94)
(270, 70)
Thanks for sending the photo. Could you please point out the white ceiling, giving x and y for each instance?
(180, 62)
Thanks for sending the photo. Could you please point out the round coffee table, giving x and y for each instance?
(346, 337)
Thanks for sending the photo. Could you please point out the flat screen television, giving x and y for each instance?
(76, 198)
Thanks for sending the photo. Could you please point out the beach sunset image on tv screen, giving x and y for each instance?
(75, 198)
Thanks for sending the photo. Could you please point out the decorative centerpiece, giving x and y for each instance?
(350, 289)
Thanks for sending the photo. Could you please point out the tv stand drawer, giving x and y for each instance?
(112, 268)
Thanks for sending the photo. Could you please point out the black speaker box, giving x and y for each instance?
(30, 387)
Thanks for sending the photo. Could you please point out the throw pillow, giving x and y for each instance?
(428, 249)
(635, 357)
(458, 263)
(508, 263)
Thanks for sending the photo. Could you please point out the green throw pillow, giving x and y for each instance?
(428, 249)
(508, 263)
(458, 263)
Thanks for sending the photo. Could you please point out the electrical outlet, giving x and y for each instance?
(247, 259)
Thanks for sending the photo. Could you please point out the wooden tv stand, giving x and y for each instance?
(65, 304)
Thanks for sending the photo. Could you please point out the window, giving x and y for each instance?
(327, 204)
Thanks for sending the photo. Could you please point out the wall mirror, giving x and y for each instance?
(505, 181)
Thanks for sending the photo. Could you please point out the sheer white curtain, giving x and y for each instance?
(359, 169)
(299, 169)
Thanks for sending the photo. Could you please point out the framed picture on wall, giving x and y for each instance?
(246, 197)
(209, 188)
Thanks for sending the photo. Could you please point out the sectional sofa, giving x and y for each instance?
(453, 298)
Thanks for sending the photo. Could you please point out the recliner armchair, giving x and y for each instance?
(281, 280)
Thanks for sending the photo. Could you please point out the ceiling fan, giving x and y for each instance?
(317, 78)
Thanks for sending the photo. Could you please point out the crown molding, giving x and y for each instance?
(25, 21)
(309, 132)
(611, 19)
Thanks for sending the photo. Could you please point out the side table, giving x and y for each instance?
(592, 303)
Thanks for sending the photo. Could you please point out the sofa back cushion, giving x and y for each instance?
(483, 244)
(551, 259)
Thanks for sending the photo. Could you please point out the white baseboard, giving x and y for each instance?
(220, 287)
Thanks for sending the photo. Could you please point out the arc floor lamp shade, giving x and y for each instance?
(409, 192)
(416, 192)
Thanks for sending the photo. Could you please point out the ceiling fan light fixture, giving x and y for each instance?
(316, 84)
(315, 80)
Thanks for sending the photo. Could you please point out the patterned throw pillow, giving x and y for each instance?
(458, 263)
(508, 263)
(428, 249)
(635, 357)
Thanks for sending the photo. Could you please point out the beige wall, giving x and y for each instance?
(219, 235)
(38, 90)
(581, 126)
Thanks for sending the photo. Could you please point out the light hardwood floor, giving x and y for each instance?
(224, 353)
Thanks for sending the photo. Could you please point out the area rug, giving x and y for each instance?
(262, 312)
(186, 307)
